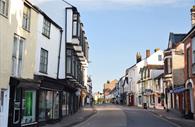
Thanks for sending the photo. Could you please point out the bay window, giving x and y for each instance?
(68, 61)
(76, 26)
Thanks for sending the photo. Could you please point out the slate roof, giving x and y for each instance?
(176, 38)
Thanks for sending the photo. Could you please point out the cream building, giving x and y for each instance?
(18, 26)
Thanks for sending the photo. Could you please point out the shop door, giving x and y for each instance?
(4, 104)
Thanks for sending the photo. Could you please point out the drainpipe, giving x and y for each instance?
(58, 69)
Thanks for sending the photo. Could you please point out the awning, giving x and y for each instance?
(178, 89)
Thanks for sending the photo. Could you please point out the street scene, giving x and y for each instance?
(97, 63)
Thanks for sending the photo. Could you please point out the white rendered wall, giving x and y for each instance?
(51, 45)
(56, 10)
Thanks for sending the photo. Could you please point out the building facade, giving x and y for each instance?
(174, 73)
(43, 62)
(153, 67)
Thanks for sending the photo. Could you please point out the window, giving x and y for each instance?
(193, 64)
(169, 65)
(159, 57)
(188, 62)
(69, 61)
(75, 25)
(43, 61)
(46, 28)
(4, 7)
(26, 18)
(17, 56)
(28, 106)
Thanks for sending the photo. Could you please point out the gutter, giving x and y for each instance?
(59, 55)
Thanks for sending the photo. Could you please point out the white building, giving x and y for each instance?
(153, 67)
(73, 67)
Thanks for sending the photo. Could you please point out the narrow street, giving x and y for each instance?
(118, 116)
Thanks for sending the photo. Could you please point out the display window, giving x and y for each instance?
(28, 106)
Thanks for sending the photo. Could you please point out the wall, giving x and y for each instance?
(51, 45)
(9, 26)
(58, 15)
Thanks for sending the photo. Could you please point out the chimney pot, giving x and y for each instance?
(156, 49)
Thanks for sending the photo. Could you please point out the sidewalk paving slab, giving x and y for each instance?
(69, 121)
(174, 117)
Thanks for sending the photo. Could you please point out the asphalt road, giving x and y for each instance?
(118, 116)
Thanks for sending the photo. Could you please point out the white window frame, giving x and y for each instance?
(17, 56)
(4, 7)
(43, 67)
(46, 27)
(26, 17)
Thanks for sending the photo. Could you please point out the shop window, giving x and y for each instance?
(16, 117)
(28, 106)
(42, 105)
(52, 105)
(64, 102)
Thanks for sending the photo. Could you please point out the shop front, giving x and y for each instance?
(23, 104)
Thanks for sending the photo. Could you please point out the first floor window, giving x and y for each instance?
(17, 56)
(68, 61)
(3, 7)
(43, 61)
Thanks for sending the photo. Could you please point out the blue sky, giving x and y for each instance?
(117, 29)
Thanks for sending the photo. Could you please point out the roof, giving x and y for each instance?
(176, 38)
(46, 16)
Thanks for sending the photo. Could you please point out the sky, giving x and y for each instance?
(118, 29)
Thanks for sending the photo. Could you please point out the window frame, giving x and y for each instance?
(18, 56)
(4, 11)
(43, 65)
(27, 17)
(46, 30)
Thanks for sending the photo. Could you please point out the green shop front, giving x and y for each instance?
(37, 102)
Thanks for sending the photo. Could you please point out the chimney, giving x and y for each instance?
(156, 49)
(138, 57)
(193, 15)
(147, 53)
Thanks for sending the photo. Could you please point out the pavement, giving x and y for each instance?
(69, 121)
(173, 117)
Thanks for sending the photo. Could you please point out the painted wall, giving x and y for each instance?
(10, 26)
(51, 45)
(58, 15)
